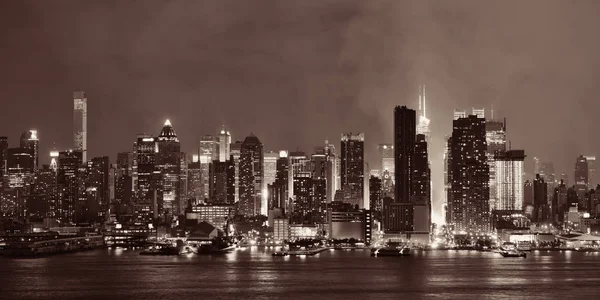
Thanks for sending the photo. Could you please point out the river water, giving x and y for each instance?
(253, 273)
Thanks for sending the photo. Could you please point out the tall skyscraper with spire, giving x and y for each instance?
(423, 121)
(80, 123)
(168, 164)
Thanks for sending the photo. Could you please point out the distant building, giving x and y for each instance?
(348, 225)
(581, 179)
(216, 214)
(540, 199)
(208, 152)
(375, 195)
(251, 177)
(591, 161)
(224, 140)
(352, 164)
(386, 155)
(29, 140)
(495, 134)
(80, 123)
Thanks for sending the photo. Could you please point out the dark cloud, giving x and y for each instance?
(296, 72)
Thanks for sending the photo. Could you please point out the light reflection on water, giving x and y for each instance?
(254, 273)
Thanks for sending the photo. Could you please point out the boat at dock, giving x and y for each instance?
(513, 253)
(49, 245)
(404, 251)
(280, 253)
(160, 250)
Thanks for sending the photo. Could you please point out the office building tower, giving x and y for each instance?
(469, 206)
(423, 121)
(144, 165)
(302, 208)
(98, 184)
(495, 135)
(333, 166)
(123, 179)
(421, 186)
(591, 161)
(353, 165)
(18, 180)
(528, 194)
(208, 152)
(70, 189)
(299, 167)
(375, 195)
(235, 152)
(45, 187)
(581, 179)
(270, 167)
(541, 207)
(195, 181)
(278, 191)
(224, 140)
(386, 154)
(29, 140)
(509, 167)
(168, 164)
(404, 149)
(479, 112)
(80, 123)
(251, 177)
(222, 182)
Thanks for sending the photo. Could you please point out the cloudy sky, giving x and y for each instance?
(297, 72)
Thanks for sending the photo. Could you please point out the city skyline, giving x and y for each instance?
(137, 88)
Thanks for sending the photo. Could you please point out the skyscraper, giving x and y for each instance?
(70, 190)
(144, 165)
(333, 167)
(541, 207)
(423, 121)
(270, 167)
(19, 177)
(353, 164)
(251, 177)
(421, 186)
(386, 155)
(510, 182)
(80, 123)
(235, 153)
(123, 178)
(98, 182)
(207, 153)
(469, 206)
(168, 163)
(495, 135)
(224, 139)
(591, 161)
(222, 183)
(404, 149)
(29, 140)
(581, 179)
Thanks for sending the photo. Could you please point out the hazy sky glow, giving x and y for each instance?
(297, 72)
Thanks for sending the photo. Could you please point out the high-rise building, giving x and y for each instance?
(591, 161)
(80, 123)
(421, 186)
(509, 170)
(123, 180)
(29, 140)
(208, 152)
(495, 135)
(423, 121)
(144, 166)
(333, 167)
(537, 165)
(70, 189)
(375, 195)
(528, 194)
(195, 181)
(581, 179)
(278, 191)
(224, 139)
(469, 206)
(353, 164)
(45, 187)
(222, 182)
(18, 179)
(235, 151)
(270, 167)
(168, 163)
(541, 206)
(404, 149)
(251, 177)
(386, 154)
(98, 182)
